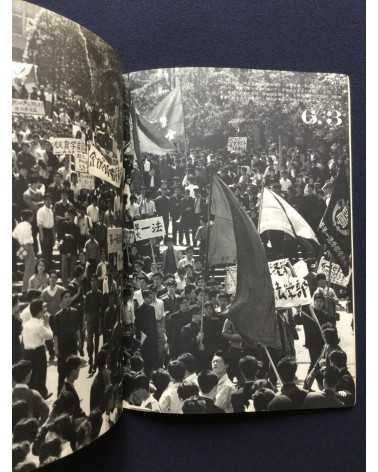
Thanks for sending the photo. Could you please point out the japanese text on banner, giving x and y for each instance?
(289, 290)
(149, 228)
(237, 144)
(27, 107)
(335, 275)
(101, 168)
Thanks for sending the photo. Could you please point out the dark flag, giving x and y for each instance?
(253, 308)
(334, 228)
(148, 136)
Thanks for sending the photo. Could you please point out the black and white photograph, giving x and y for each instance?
(67, 166)
(241, 270)
(181, 240)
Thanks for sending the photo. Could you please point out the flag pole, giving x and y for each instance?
(207, 253)
(268, 355)
(186, 141)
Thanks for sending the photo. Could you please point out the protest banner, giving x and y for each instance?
(85, 181)
(100, 167)
(149, 228)
(334, 273)
(114, 240)
(75, 147)
(27, 107)
(237, 144)
(289, 290)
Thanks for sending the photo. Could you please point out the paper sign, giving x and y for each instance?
(237, 144)
(101, 168)
(114, 240)
(335, 276)
(149, 228)
(289, 290)
(85, 181)
(27, 107)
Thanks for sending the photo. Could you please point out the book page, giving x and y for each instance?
(67, 171)
(240, 250)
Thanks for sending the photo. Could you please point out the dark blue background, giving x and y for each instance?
(308, 35)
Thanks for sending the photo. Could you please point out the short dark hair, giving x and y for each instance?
(141, 381)
(20, 411)
(261, 398)
(207, 380)
(65, 293)
(25, 430)
(185, 391)
(194, 406)
(160, 379)
(51, 448)
(223, 355)
(188, 360)
(331, 376)
(176, 370)
(248, 366)
(78, 271)
(331, 336)
(287, 368)
(338, 358)
(21, 370)
(19, 452)
(136, 363)
(72, 363)
(146, 293)
(36, 306)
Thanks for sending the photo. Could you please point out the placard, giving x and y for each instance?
(336, 275)
(149, 228)
(100, 167)
(27, 107)
(237, 144)
(289, 290)
(114, 240)
(85, 181)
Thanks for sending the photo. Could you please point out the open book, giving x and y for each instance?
(181, 239)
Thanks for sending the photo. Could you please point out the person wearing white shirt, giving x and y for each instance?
(22, 233)
(169, 401)
(285, 182)
(35, 333)
(158, 306)
(225, 387)
(45, 223)
(147, 206)
(93, 211)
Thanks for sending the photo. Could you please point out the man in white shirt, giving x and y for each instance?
(35, 333)
(169, 401)
(188, 259)
(158, 306)
(22, 233)
(147, 206)
(285, 182)
(45, 223)
(225, 387)
(93, 211)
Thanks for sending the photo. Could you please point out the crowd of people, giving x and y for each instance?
(157, 335)
(66, 287)
(185, 355)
